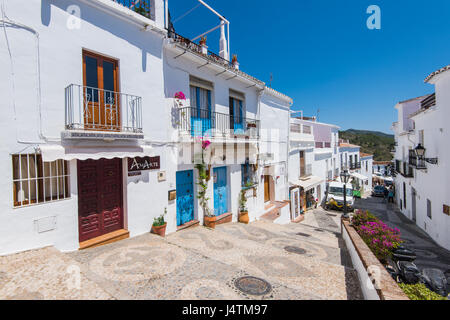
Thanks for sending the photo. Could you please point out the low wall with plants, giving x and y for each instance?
(381, 240)
(373, 276)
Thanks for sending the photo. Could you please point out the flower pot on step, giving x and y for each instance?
(210, 222)
(243, 217)
(160, 230)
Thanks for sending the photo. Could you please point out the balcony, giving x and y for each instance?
(355, 166)
(306, 171)
(143, 7)
(415, 161)
(195, 122)
(404, 169)
(97, 113)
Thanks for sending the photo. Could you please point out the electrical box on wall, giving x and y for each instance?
(45, 224)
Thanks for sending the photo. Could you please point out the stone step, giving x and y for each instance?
(105, 239)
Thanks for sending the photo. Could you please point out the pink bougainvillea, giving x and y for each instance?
(180, 95)
(380, 238)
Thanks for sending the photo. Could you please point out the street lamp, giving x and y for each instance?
(420, 153)
(345, 176)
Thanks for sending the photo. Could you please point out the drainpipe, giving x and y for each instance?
(288, 144)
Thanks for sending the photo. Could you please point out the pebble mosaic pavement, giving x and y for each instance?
(300, 262)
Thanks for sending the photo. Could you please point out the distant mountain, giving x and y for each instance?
(377, 143)
(377, 133)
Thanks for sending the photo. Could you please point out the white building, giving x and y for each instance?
(91, 146)
(422, 191)
(303, 184)
(366, 171)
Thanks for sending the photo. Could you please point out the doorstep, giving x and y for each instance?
(105, 239)
(224, 218)
(193, 223)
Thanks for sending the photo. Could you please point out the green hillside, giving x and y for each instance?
(377, 143)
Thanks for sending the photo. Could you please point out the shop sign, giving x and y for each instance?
(143, 164)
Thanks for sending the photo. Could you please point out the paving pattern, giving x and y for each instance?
(429, 254)
(235, 261)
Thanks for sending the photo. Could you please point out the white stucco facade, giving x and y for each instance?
(422, 194)
(43, 56)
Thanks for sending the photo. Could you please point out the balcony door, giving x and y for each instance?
(236, 115)
(201, 105)
(302, 164)
(100, 93)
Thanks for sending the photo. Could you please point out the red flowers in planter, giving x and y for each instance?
(180, 95)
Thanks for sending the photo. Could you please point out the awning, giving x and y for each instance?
(308, 183)
(359, 176)
(57, 152)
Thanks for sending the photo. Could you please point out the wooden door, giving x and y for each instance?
(100, 204)
(266, 188)
(101, 97)
(185, 197)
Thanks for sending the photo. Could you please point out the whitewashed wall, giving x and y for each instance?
(60, 56)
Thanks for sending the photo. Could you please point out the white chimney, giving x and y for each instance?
(223, 42)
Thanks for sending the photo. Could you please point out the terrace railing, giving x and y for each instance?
(199, 122)
(96, 109)
(143, 7)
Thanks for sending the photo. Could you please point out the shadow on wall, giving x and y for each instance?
(46, 12)
(111, 24)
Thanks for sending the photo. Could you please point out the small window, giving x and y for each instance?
(247, 175)
(429, 208)
(35, 181)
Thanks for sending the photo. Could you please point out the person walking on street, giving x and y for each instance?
(391, 195)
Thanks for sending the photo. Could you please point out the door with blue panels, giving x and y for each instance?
(220, 191)
(237, 116)
(185, 197)
(200, 111)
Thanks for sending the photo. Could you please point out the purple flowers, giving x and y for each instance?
(380, 238)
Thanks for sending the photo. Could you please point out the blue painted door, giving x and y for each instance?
(238, 117)
(185, 197)
(220, 191)
(201, 111)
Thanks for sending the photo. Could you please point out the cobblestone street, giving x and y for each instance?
(295, 261)
(429, 254)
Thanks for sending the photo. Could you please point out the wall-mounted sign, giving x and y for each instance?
(142, 164)
(446, 210)
(134, 174)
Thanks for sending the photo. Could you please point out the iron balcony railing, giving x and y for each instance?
(143, 7)
(355, 165)
(90, 108)
(199, 122)
(415, 161)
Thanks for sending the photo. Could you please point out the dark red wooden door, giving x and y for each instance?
(99, 197)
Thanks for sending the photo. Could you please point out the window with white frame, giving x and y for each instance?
(35, 181)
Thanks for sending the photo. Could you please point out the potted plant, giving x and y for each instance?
(179, 98)
(234, 62)
(159, 225)
(243, 211)
(203, 45)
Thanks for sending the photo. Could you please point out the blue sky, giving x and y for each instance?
(323, 56)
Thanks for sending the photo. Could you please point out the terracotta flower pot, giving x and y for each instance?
(243, 217)
(210, 222)
(160, 231)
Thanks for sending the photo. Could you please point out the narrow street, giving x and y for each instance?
(429, 254)
(296, 261)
